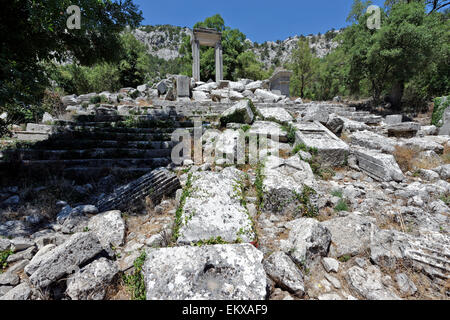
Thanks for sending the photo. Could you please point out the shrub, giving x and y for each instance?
(290, 129)
(307, 208)
(95, 100)
(341, 206)
(440, 104)
(135, 281)
(405, 158)
(259, 185)
(52, 102)
(3, 257)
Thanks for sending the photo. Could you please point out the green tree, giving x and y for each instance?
(35, 31)
(134, 65)
(393, 55)
(249, 67)
(302, 67)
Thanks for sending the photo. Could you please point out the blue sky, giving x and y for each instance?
(260, 20)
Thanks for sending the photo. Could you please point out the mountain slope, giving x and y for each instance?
(164, 41)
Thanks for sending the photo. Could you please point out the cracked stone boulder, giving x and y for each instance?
(219, 272)
(109, 228)
(422, 144)
(285, 273)
(427, 253)
(267, 96)
(316, 113)
(351, 125)
(64, 259)
(308, 240)
(368, 284)
(404, 129)
(214, 209)
(380, 166)
(270, 130)
(371, 140)
(19, 293)
(92, 281)
(14, 228)
(276, 114)
(241, 112)
(335, 124)
(350, 235)
(284, 180)
(332, 151)
(443, 171)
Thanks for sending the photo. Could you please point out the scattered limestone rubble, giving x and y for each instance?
(333, 209)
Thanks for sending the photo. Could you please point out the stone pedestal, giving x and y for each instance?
(183, 83)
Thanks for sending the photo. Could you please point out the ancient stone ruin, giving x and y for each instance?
(210, 38)
(273, 198)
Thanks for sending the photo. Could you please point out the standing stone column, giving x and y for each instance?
(219, 62)
(196, 60)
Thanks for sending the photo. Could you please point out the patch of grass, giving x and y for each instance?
(303, 147)
(445, 199)
(3, 257)
(95, 100)
(245, 127)
(341, 206)
(209, 242)
(405, 158)
(259, 185)
(337, 193)
(440, 104)
(290, 130)
(179, 211)
(240, 188)
(135, 281)
(344, 258)
(307, 208)
(326, 173)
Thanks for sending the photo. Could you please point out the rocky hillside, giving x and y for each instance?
(164, 41)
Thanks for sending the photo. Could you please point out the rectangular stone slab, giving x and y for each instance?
(213, 209)
(183, 83)
(379, 166)
(332, 151)
(219, 272)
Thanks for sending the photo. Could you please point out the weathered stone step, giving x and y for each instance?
(124, 127)
(90, 144)
(116, 118)
(95, 153)
(103, 163)
(108, 135)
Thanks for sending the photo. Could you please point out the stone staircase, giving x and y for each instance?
(91, 147)
(119, 139)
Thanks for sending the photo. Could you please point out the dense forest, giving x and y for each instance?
(405, 63)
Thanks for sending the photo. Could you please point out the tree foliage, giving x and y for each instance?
(34, 32)
(302, 63)
(406, 62)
